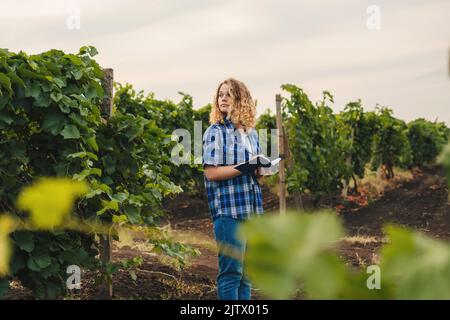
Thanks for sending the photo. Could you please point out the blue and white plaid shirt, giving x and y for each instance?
(238, 197)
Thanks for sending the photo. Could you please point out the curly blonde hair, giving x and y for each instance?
(243, 109)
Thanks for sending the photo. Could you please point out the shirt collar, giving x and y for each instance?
(227, 121)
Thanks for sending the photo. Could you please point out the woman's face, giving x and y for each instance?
(224, 100)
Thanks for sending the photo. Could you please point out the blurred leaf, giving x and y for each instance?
(418, 266)
(49, 200)
(125, 237)
(6, 227)
(285, 250)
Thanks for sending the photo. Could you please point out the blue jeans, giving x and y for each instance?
(231, 281)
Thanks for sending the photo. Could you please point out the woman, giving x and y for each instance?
(232, 197)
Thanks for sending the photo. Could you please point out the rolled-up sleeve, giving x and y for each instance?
(212, 147)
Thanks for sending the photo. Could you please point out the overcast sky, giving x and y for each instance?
(166, 46)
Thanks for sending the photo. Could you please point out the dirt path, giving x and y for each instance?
(421, 204)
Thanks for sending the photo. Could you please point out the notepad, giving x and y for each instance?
(258, 161)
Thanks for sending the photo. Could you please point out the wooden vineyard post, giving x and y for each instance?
(290, 163)
(106, 112)
(105, 257)
(108, 85)
(282, 153)
(348, 162)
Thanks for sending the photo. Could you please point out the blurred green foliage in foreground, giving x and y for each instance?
(298, 251)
